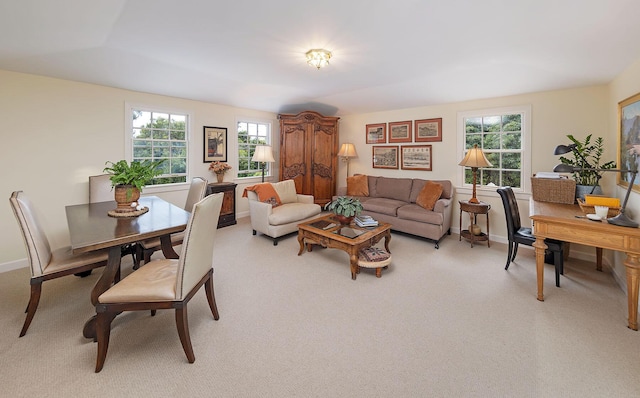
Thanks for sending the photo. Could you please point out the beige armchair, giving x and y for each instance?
(283, 219)
(167, 283)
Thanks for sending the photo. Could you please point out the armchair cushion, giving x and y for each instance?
(286, 190)
(358, 185)
(266, 193)
(293, 212)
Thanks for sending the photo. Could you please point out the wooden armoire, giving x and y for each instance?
(309, 153)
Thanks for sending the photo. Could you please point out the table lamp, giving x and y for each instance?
(263, 155)
(475, 158)
(347, 151)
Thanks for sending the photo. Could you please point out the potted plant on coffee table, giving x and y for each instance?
(345, 208)
(587, 156)
(128, 179)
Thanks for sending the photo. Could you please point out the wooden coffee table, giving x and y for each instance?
(327, 232)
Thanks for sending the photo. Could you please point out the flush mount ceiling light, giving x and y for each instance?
(318, 57)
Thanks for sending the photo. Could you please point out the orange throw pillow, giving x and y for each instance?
(266, 193)
(358, 185)
(429, 195)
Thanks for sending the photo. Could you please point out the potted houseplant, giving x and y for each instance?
(588, 156)
(345, 208)
(128, 179)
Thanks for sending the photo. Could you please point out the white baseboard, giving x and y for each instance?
(10, 266)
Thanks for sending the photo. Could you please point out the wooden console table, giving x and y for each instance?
(474, 209)
(228, 211)
(560, 221)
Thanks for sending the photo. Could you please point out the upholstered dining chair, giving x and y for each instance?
(167, 283)
(518, 234)
(197, 191)
(45, 263)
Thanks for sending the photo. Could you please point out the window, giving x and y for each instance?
(159, 135)
(503, 134)
(251, 134)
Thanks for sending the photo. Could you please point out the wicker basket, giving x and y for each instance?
(555, 190)
(590, 209)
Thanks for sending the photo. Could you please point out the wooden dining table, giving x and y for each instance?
(91, 228)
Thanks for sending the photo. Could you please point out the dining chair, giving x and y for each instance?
(100, 190)
(197, 191)
(518, 234)
(45, 263)
(167, 283)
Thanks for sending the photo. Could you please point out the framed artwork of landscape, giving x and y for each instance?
(400, 132)
(428, 130)
(377, 133)
(215, 144)
(385, 157)
(416, 157)
(629, 140)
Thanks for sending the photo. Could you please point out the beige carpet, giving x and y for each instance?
(445, 323)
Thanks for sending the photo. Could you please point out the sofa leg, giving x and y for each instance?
(449, 231)
(437, 245)
(275, 241)
(254, 231)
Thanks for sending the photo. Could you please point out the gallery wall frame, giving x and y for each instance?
(629, 139)
(416, 157)
(215, 144)
(400, 132)
(376, 133)
(385, 157)
(428, 130)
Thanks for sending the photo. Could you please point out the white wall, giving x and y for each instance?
(55, 133)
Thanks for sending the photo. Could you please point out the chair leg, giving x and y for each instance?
(36, 290)
(211, 298)
(509, 254)
(558, 262)
(182, 323)
(103, 332)
(515, 250)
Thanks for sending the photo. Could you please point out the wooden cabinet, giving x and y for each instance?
(228, 211)
(309, 153)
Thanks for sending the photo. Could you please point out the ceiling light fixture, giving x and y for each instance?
(318, 57)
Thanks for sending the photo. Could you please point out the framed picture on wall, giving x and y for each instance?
(629, 140)
(400, 132)
(385, 157)
(377, 133)
(428, 130)
(416, 157)
(215, 144)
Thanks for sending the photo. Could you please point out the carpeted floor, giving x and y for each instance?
(445, 323)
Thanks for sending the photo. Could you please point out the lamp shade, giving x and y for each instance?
(475, 158)
(263, 154)
(348, 150)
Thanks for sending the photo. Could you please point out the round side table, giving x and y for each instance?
(474, 209)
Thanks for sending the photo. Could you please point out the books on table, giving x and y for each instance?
(365, 221)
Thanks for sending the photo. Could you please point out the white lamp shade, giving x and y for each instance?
(348, 150)
(475, 158)
(263, 154)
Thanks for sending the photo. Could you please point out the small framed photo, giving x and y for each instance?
(416, 157)
(428, 130)
(215, 144)
(400, 132)
(377, 133)
(385, 157)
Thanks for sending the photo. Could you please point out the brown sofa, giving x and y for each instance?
(393, 200)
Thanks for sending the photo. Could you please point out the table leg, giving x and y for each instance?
(540, 249)
(354, 265)
(599, 259)
(633, 280)
(488, 236)
(471, 235)
(301, 242)
(387, 240)
(103, 284)
(460, 237)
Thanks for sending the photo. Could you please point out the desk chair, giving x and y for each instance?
(167, 283)
(517, 234)
(46, 264)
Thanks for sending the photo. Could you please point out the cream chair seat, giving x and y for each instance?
(167, 283)
(46, 264)
(284, 219)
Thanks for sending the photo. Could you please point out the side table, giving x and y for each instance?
(474, 209)
(228, 211)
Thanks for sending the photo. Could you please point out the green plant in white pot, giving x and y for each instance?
(128, 179)
(345, 208)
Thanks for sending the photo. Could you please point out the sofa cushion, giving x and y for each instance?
(292, 212)
(266, 193)
(418, 184)
(358, 185)
(394, 188)
(373, 182)
(429, 195)
(383, 205)
(286, 191)
(415, 212)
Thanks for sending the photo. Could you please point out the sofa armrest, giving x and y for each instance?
(341, 191)
(259, 213)
(304, 198)
(444, 207)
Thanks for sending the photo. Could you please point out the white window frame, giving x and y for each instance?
(271, 166)
(128, 142)
(525, 170)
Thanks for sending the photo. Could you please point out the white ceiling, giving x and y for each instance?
(386, 54)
